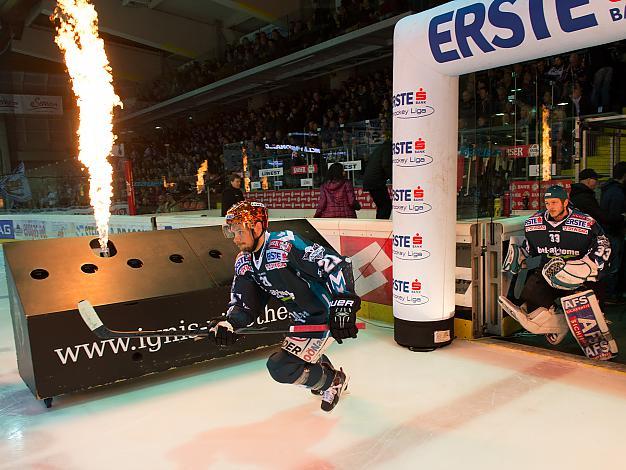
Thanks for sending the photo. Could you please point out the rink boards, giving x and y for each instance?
(369, 242)
(169, 280)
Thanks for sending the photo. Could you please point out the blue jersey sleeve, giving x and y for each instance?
(321, 264)
(600, 247)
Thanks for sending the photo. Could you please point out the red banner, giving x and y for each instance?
(302, 198)
(528, 195)
(130, 189)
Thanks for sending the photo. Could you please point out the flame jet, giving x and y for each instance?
(88, 67)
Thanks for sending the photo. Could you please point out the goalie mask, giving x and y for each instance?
(246, 214)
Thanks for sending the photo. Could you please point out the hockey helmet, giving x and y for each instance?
(247, 214)
(556, 192)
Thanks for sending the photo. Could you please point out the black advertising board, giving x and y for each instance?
(169, 279)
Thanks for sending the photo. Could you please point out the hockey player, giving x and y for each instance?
(562, 254)
(314, 283)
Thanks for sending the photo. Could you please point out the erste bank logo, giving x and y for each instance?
(408, 292)
(410, 153)
(618, 14)
(450, 32)
(409, 247)
(410, 201)
(411, 104)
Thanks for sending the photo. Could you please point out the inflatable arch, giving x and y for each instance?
(431, 49)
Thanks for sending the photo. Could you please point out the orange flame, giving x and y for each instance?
(246, 176)
(201, 172)
(167, 185)
(88, 67)
(546, 148)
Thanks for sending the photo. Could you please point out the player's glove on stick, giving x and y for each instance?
(343, 310)
(223, 332)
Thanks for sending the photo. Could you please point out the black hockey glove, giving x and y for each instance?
(222, 332)
(343, 309)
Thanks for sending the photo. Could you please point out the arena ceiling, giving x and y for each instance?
(139, 33)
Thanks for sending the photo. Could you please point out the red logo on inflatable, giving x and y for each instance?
(417, 240)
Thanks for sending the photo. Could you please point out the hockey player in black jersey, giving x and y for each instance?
(562, 254)
(316, 285)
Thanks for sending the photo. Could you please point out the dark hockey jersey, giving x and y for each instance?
(303, 275)
(574, 237)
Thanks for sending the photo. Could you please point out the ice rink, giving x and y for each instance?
(469, 405)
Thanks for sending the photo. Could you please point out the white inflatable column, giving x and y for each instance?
(425, 118)
(431, 50)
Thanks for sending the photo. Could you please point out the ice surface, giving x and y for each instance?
(469, 405)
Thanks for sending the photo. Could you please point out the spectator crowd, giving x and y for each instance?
(319, 25)
(175, 153)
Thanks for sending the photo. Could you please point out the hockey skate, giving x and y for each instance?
(324, 361)
(332, 394)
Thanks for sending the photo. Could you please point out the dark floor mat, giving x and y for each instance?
(616, 314)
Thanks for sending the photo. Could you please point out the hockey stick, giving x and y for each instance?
(93, 321)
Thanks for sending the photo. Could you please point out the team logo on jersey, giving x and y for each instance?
(554, 251)
(274, 255)
(567, 228)
(408, 292)
(242, 264)
(313, 253)
(277, 265)
(283, 295)
(280, 245)
(534, 220)
(410, 201)
(409, 247)
(328, 263)
(576, 220)
(410, 153)
(535, 223)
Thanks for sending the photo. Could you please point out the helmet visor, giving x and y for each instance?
(231, 229)
(227, 231)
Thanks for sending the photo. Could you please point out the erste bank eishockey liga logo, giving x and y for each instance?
(410, 201)
(410, 153)
(408, 292)
(411, 104)
(409, 247)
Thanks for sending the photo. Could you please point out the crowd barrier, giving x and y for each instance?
(481, 246)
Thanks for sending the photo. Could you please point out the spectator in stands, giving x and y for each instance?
(613, 204)
(556, 71)
(52, 198)
(583, 197)
(337, 197)
(580, 102)
(377, 172)
(602, 80)
(232, 194)
(168, 203)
